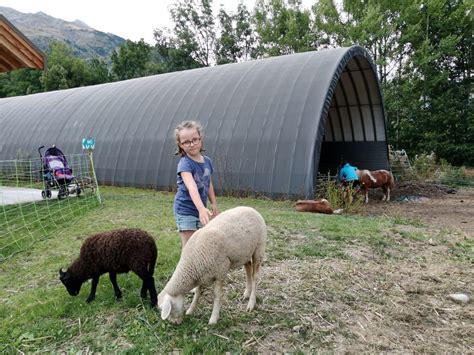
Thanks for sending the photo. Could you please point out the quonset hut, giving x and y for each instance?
(270, 125)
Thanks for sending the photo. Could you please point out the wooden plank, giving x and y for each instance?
(21, 43)
(17, 50)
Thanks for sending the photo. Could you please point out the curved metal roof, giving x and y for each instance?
(265, 121)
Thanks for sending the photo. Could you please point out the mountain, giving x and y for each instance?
(42, 29)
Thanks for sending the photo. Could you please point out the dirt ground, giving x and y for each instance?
(435, 205)
(398, 302)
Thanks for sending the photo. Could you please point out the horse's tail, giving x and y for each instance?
(391, 180)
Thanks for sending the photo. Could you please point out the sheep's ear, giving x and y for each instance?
(61, 273)
(166, 308)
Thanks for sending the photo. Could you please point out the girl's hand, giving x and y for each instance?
(204, 216)
(215, 210)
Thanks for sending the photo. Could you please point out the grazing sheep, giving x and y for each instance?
(115, 252)
(232, 239)
(316, 206)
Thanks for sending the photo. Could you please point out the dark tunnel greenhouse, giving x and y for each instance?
(270, 125)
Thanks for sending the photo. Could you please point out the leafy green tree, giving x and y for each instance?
(237, 36)
(20, 82)
(55, 78)
(99, 73)
(283, 27)
(170, 54)
(131, 59)
(374, 24)
(437, 42)
(423, 55)
(67, 71)
(194, 29)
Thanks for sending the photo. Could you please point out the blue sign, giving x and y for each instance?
(88, 143)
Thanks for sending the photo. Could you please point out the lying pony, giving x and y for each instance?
(316, 206)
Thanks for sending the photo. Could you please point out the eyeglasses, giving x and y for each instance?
(193, 141)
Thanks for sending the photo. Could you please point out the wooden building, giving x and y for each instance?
(16, 50)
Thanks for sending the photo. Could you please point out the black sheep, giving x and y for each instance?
(115, 252)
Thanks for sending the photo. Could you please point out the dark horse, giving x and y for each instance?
(373, 179)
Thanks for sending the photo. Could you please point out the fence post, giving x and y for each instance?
(92, 174)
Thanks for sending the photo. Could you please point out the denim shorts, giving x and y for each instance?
(187, 223)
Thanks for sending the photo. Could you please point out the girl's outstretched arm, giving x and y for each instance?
(212, 198)
(204, 213)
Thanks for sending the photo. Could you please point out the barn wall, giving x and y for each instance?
(266, 121)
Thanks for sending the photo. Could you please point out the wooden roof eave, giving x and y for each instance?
(16, 50)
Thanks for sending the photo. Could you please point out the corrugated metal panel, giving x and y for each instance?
(264, 120)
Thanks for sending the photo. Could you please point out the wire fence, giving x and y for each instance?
(34, 203)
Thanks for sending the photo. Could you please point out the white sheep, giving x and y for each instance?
(232, 239)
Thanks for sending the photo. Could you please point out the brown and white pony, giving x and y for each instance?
(374, 179)
(316, 206)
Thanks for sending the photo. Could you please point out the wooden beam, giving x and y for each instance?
(16, 50)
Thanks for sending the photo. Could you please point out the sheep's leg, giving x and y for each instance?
(144, 290)
(145, 286)
(197, 294)
(248, 287)
(148, 285)
(388, 194)
(113, 279)
(152, 289)
(253, 294)
(95, 281)
(217, 302)
(367, 196)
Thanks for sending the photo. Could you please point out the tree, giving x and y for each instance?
(55, 78)
(67, 71)
(194, 29)
(237, 36)
(437, 38)
(168, 51)
(374, 24)
(131, 59)
(20, 82)
(99, 73)
(283, 27)
(422, 51)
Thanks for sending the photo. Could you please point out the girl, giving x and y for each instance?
(193, 181)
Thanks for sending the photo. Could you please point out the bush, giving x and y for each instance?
(329, 188)
(427, 168)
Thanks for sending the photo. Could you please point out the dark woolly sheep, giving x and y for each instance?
(115, 252)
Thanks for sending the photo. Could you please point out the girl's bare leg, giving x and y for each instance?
(185, 235)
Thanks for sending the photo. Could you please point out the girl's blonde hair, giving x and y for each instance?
(187, 125)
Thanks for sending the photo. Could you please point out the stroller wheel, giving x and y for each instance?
(48, 193)
(43, 194)
(78, 191)
(62, 193)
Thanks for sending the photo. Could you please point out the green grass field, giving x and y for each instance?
(323, 275)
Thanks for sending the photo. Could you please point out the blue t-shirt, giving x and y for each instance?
(183, 204)
(349, 172)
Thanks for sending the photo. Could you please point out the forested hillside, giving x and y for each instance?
(43, 29)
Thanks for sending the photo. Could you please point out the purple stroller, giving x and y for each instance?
(57, 174)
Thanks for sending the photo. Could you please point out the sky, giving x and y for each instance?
(130, 19)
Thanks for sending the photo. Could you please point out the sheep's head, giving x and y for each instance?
(171, 307)
(73, 285)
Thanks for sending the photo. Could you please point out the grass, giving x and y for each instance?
(315, 284)
(23, 224)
